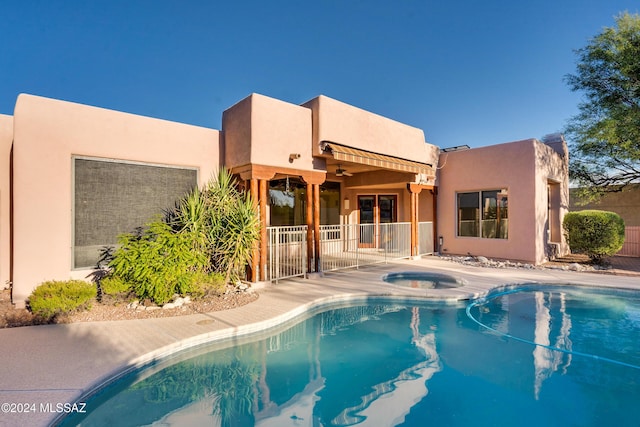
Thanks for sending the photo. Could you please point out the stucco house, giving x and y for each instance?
(337, 187)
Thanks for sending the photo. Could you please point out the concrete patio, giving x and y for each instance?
(54, 364)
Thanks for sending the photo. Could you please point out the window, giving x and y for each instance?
(330, 203)
(288, 201)
(483, 214)
(114, 197)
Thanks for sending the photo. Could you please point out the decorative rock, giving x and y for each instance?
(483, 260)
(133, 304)
(168, 306)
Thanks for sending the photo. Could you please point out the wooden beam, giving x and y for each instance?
(254, 171)
(436, 240)
(263, 229)
(253, 190)
(316, 225)
(309, 218)
(413, 223)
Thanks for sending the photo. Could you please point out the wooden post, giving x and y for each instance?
(253, 189)
(310, 227)
(413, 224)
(436, 241)
(316, 225)
(263, 229)
(414, 190)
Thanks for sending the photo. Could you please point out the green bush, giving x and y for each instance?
(59, 297)
(594, 233)
(207, 284)
(112, 285)
(158, 262)
(206, 241)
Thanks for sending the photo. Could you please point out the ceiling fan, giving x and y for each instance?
(342, 172)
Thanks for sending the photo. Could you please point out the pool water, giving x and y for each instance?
(423, 280)
(409, 364)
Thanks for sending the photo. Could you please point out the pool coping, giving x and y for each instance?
(68, 363)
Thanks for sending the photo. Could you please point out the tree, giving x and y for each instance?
(605, 135)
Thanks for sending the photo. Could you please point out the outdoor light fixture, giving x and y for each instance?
(346, 203)
(293, 156)
(440, 243)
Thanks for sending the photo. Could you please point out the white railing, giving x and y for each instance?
(286, 252)
(631, 245)
(355, 245)
(342, 246)
(425, 238)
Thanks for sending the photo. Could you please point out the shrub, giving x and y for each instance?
(112, 285)
(594, 233)
(224, 222)
(207, 284)
(203, 243)
(60, 297)
(158, 262)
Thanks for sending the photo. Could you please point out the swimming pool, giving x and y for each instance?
(411, 363)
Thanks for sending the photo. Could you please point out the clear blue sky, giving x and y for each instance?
(466, 71)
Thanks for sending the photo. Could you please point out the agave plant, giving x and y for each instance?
(225, 221)
(234, 226)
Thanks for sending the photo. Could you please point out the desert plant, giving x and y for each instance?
(594, 233)
(224, 223)
(53, 298)
(209, 235)
(101, 270)
(158, 262)
(113, 286)
(207, 284)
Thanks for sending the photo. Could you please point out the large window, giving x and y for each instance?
(330, 203)
(288, 202)
(483, 214)
(113, 197)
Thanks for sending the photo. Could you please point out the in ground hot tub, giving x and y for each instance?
(423, 280)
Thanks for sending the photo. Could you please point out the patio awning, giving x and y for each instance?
(355, 155)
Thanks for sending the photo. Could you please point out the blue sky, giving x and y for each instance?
(466, 72)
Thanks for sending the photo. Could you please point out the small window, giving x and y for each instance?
(483, 214)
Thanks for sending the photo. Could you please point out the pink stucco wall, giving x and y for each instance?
(47, 134)
(266, 131)
(6, 138)
(348, 125)
(523, 168)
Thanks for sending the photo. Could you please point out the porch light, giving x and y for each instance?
(293, 156)
(346, 203)
(440, 243)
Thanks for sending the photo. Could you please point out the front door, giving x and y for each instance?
(374, 210)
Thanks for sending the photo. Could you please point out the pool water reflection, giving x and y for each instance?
(389, 364)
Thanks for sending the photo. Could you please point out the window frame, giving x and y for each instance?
(500, 216)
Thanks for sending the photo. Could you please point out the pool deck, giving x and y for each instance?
(51, 364)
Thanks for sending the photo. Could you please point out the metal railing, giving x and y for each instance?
(286, 252)
(425, 238)
(631, 245)
(342, 246)
(354, 245)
